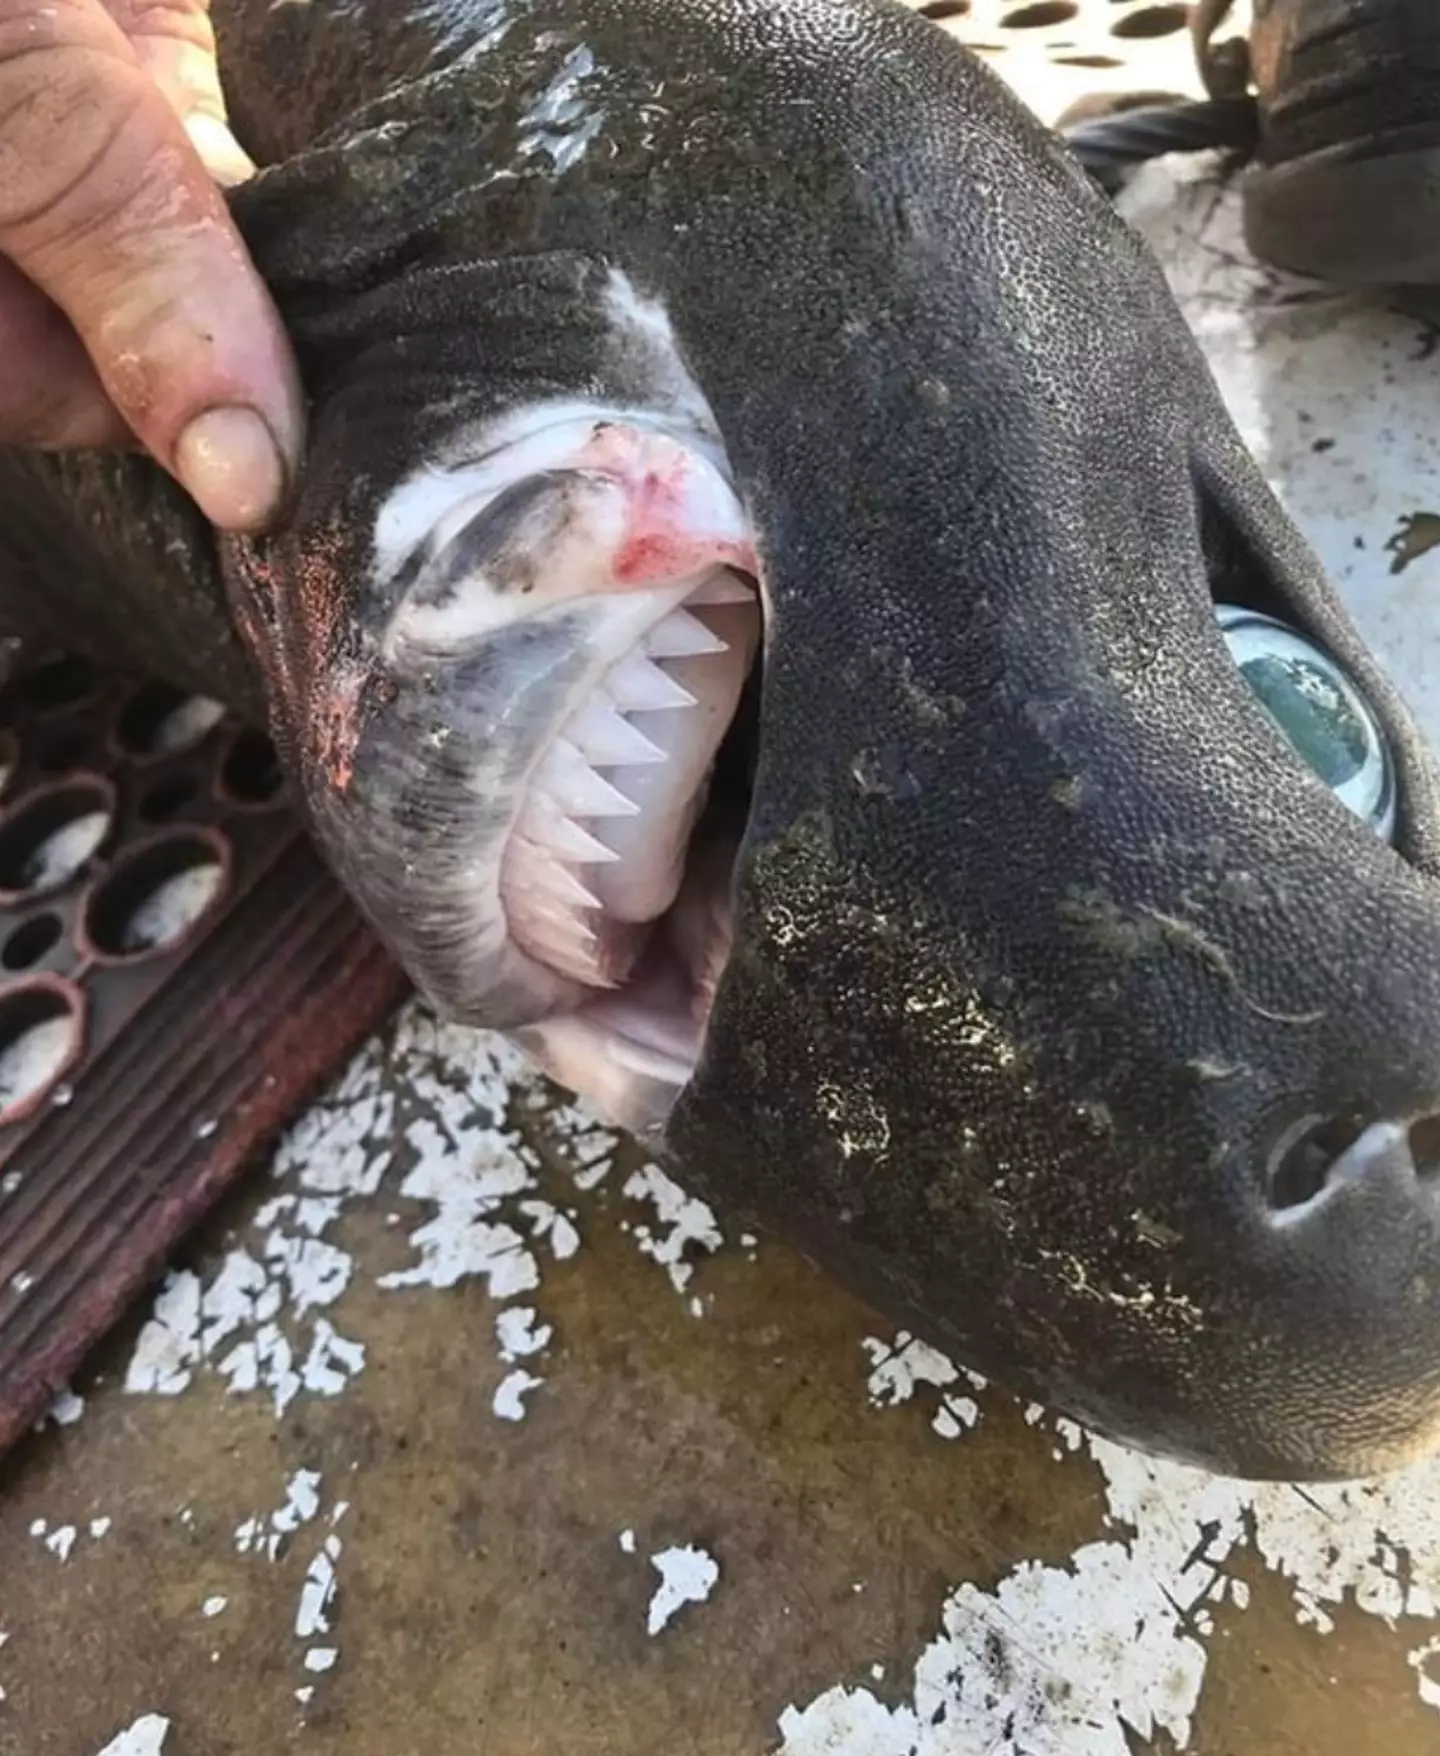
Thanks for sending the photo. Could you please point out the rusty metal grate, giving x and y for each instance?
(178, 972)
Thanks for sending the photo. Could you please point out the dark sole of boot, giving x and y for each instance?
(1355, 222)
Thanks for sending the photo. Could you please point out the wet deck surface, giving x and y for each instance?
(293, 1509)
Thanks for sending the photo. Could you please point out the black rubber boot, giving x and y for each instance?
(1345, 181)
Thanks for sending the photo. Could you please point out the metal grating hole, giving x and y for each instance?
(160, 721)
(155, 896)
(1099, 62)
(1152, 21)
(250, 773)
(1039, 14)
(944, 9)
(59, 683)
(167, 797)
(51, 836)
(42, 1032)
(66, 750)
(30, 941)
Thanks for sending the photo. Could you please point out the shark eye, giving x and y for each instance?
(1318, 710)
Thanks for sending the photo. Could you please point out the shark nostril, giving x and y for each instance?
(1317, 1153)
(1301, 1159)
(1425, 1146)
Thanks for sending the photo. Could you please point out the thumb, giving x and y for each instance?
(106, 207)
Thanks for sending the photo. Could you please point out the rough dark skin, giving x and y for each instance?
(1043, 939)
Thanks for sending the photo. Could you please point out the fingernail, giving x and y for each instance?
(231, 465)
(220, 153)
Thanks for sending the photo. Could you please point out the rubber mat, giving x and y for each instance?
(178, 973)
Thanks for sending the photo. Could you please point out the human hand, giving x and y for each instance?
(130, 312)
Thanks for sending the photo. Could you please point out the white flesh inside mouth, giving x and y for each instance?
(610, 877)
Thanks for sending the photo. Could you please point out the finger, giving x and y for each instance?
(175, 43)
(50, 395)
(105, 206)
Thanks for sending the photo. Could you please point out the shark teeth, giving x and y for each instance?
(721, 587)
(598, 852)
(638, 685)
(608, 739)
(575, 787)
(563, 929)
(559, 884)
(681, 635)
(569, 945)
(561, 836)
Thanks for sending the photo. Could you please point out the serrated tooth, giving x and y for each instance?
(682, 635)
(561, 884)
(565, 940)
(560, 916)
(575, 787)
(722, 587)
(638, 685)
(608, 740)
(561, 924)
(549, 828)
(576, 965)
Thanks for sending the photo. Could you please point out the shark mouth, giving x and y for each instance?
(588, 609)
